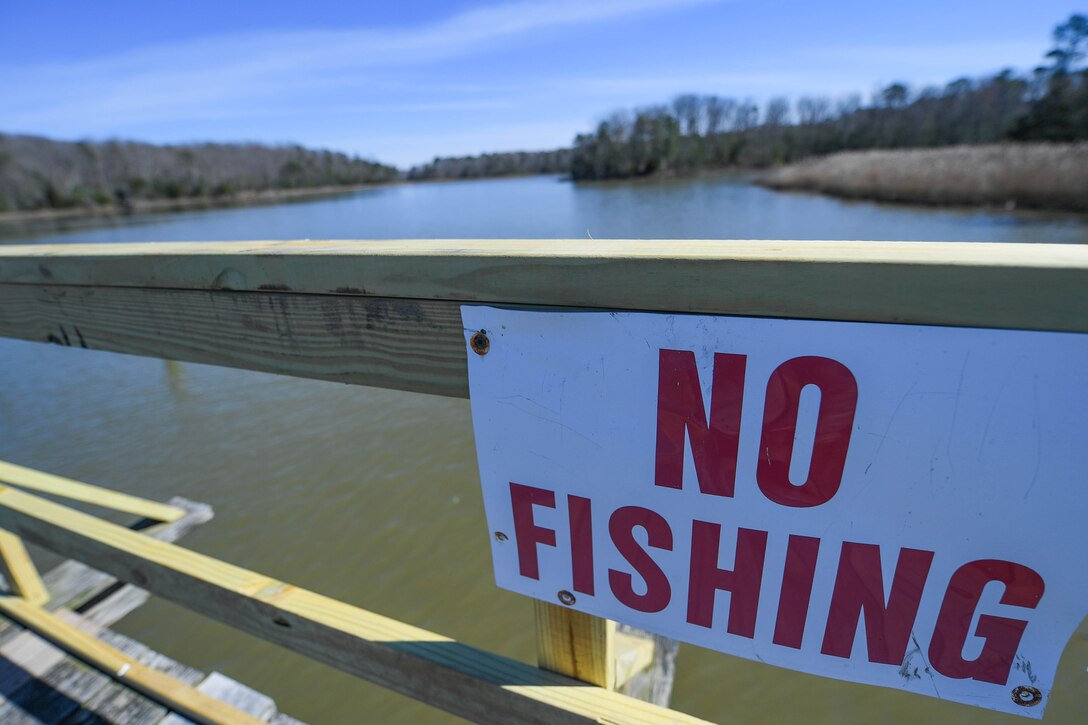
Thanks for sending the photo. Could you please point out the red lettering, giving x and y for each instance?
(789, 627)
(743, 582)
(579, 513)
(1023, 588)
(859, 585)
(680, 410)
(527, 533)
(621, 527)
(838, 402)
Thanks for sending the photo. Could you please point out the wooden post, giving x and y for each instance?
(575, 644)
(597, 651)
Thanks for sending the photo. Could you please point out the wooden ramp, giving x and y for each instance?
(41, 683)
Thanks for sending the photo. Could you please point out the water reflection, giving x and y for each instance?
(726, 207)
(175, 378)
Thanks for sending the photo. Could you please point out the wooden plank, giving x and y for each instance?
(147, 656)
(633, 655)
(53, 697)
(125, 600)
(281, 719)
(19, 570)
(1031, 286)
(173, 694)
(418, 344)
(29, 667)
(401, 344)
(477, 685)
(26, 657)
(575, 644)
(69, 685)
(238, 695)
(42, 482)
(173, 668)
(235, 694)
(73, 583)
(128, 646)
(117, 704)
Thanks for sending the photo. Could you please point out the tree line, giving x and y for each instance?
(696, 132)
(41, 173)
(690, 134)
(515, 163)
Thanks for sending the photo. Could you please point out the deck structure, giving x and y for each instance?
(387, 314)
(42, 683)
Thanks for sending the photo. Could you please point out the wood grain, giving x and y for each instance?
(1029, 286)
(460, 679)
(19, 571)
(387, 314)
(73, 584)
(42, 482)
(402, 344)
(576, 644)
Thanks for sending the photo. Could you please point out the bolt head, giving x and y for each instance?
(480, 343)
(1026, 696)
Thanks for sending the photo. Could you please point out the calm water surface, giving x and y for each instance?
(372, 496)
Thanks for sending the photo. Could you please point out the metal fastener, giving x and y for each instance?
(480, 343)
(500, 536)
(1026, 696)
(566, 597)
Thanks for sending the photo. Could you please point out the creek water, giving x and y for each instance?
(371, 496)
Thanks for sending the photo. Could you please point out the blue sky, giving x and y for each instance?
(405, 81)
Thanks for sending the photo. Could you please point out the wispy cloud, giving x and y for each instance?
(514, 74)
(225, 74)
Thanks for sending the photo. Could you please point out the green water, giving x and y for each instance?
(371, 496)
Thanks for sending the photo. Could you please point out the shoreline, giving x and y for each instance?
(994, 177)
(16, 220)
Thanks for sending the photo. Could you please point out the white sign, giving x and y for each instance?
(889, 504)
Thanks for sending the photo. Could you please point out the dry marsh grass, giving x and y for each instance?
(1035, 176)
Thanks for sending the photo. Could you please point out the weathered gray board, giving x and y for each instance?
(41, 684)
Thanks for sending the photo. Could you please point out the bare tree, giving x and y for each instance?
(688, 110)
(777, 112)
(813, 109)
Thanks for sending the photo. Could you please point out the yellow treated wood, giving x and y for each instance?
(633, 655)
(172, 693)
(42, 482)
(19, 570)
(387, 314)
(1030, 286)
(576, 644)
(474, 684)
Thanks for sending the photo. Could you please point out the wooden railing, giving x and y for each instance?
(388, 314)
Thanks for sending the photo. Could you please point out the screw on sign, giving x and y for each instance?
(826, 497)
(480, 343)
(1026, 696)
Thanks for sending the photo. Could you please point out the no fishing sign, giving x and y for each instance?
(894, 505)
